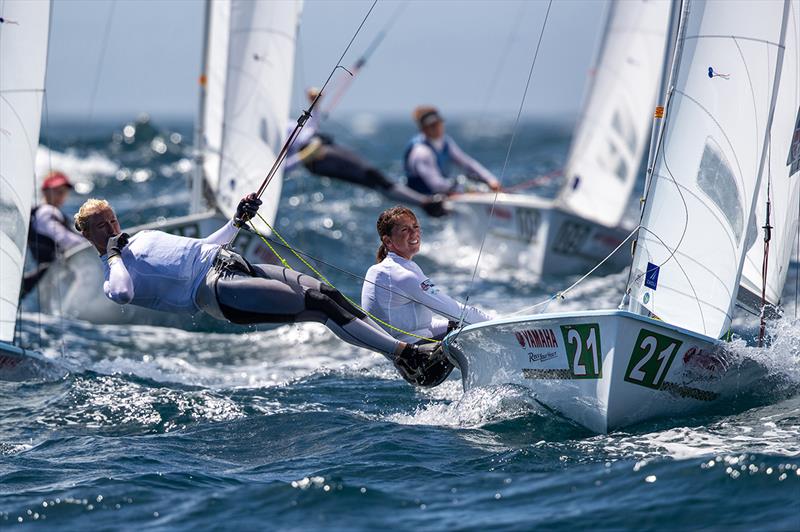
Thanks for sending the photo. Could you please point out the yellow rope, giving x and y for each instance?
(322, 277)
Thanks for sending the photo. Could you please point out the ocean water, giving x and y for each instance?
(288, 428)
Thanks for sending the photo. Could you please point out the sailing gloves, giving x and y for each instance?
(115, 245)
(247, 208)
(423, 365)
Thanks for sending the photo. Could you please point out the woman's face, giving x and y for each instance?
(101, 226)
(405, 238)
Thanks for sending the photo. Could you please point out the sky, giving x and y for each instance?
(116, 59)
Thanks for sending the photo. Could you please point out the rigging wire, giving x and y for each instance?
(359, 64)
(505, 165)
(100, 60)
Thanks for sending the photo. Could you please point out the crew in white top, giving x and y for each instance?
(398, 292)
(430, 155)
(173, 273)
(49, 234)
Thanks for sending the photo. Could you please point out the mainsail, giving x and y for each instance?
(248, 72)
(782, 176)
(23, 60)
(615, 122)
(697, 224)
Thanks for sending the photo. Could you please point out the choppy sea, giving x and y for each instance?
(288, 428)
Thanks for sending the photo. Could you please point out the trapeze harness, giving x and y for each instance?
(172, 273)
(48, 234)
(428, 162)
(382, 295)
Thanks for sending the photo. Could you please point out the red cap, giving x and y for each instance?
(55, 180)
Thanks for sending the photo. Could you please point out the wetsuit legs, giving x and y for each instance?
(340, 163)
(280, 295)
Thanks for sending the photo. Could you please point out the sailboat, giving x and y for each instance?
(730, 144)
(24, 33)
(246, 81)
(584, 223)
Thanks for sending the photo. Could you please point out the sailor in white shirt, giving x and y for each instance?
(397, 291)
(430, 155)
(173, 273)
(320, 155)
(49, 234)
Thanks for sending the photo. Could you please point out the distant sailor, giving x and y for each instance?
(430, 155)
(49, 234)
(397, 291)
(321, 156)
(172, 273)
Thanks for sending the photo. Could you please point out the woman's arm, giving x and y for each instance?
(118, 285)
(474, 168)
(428, 294)
(223, 235)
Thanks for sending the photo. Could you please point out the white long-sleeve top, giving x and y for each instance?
(50, 222)
(162, 271)
(422, 160)
(397, 291)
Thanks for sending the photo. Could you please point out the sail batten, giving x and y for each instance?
(715, 152)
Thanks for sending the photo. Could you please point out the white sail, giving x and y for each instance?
(696, 222)
(250, 64)
(782, 177)
(23, 59)
(615, 123)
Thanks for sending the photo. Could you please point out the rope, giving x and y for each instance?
(561, 294)
(100, 60)
(325, 279)
(505, 165)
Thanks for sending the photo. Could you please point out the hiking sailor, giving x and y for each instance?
(429, 155)
(321, 156)
(49, 234)
(173, 273)
(398, 292)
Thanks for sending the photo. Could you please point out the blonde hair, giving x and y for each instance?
(89, 207)
(421, 111)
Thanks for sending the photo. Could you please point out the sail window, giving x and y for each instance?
(624, 127)
(715, 178)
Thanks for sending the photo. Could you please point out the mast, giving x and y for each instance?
(195, 205)
(662, 94)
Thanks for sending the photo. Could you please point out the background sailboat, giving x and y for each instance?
(734, 83)
(248, 66)
(24, 32)
(582, 225)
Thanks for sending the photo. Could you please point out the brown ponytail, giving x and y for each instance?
(386, 222)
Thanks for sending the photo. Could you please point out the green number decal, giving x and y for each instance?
(584, 356)
(651, 358)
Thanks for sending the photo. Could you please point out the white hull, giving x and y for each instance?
(537, 235)
(18, 364)
(73, 287)
(603, 369)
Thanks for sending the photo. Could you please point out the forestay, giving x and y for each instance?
(782, 174)
(615, 123)
(249, 69)
(697, 222)
(23, 59)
